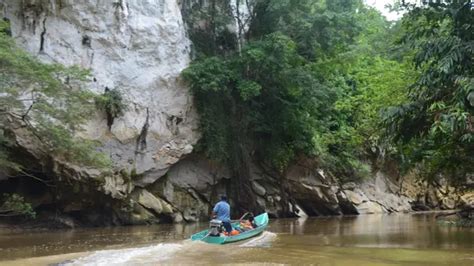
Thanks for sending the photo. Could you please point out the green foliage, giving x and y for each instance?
(248, 89)
(209, 80)
(112, 104)
(367, 79)
(48, 101)
(208, 26)
(289, 93)
(267, 93)
(434, 127)
(15, 205)
(327, 80)
(320, 29)
(379, 84)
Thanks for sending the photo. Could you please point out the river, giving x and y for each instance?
(396, 239)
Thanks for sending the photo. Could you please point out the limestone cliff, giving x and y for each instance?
(136, 47)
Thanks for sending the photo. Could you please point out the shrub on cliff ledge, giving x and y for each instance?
(112, 104)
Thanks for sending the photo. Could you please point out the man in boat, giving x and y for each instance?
(221, 212)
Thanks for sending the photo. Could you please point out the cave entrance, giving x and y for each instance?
(36, 188)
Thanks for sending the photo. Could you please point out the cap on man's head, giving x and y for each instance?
(224, 197)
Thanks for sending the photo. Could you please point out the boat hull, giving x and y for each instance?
(261, 220)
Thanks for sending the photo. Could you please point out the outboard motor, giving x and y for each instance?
(215, 227)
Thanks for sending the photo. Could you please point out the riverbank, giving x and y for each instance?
(186, 195)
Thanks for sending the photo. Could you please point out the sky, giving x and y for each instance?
(380, 5)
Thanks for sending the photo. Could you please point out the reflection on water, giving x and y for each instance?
(32, 244)
(397, 230)
(360, 240)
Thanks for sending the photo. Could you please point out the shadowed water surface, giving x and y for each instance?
(408, 239)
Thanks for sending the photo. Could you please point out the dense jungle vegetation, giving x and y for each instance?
(327, 80)
(336, 82)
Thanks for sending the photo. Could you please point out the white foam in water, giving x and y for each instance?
(264, 240)
(135, 256)
(156, 254)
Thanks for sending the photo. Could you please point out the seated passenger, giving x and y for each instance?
(249, 224)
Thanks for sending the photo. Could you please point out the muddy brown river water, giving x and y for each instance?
(397, 239)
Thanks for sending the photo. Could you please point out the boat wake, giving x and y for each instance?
(185, 252)
(264, 240)
(143, 255)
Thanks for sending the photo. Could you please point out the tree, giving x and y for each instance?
(265, 102)
(378, 73)
(208, 27)
(321, 29)
(268, 103)
(46, 100)
(435, 126)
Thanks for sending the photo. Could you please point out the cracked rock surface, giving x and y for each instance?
(136, 47)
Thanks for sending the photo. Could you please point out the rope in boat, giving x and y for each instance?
(208, 233)
(245, 214)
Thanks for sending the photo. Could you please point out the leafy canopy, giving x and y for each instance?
(435, 126)
(273, 96)
(258, 93)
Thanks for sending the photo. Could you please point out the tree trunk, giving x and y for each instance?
(239, 27)
(243, 195)
(213, 26)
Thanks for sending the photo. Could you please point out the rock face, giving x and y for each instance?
(313, 190)
(136, 47)
(139, 49)
(319, 194)
(428, 197)
(383, 194)
(192, 186)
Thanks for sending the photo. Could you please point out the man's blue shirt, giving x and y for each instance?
(222, 210)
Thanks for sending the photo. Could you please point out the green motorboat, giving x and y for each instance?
(261, 221)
